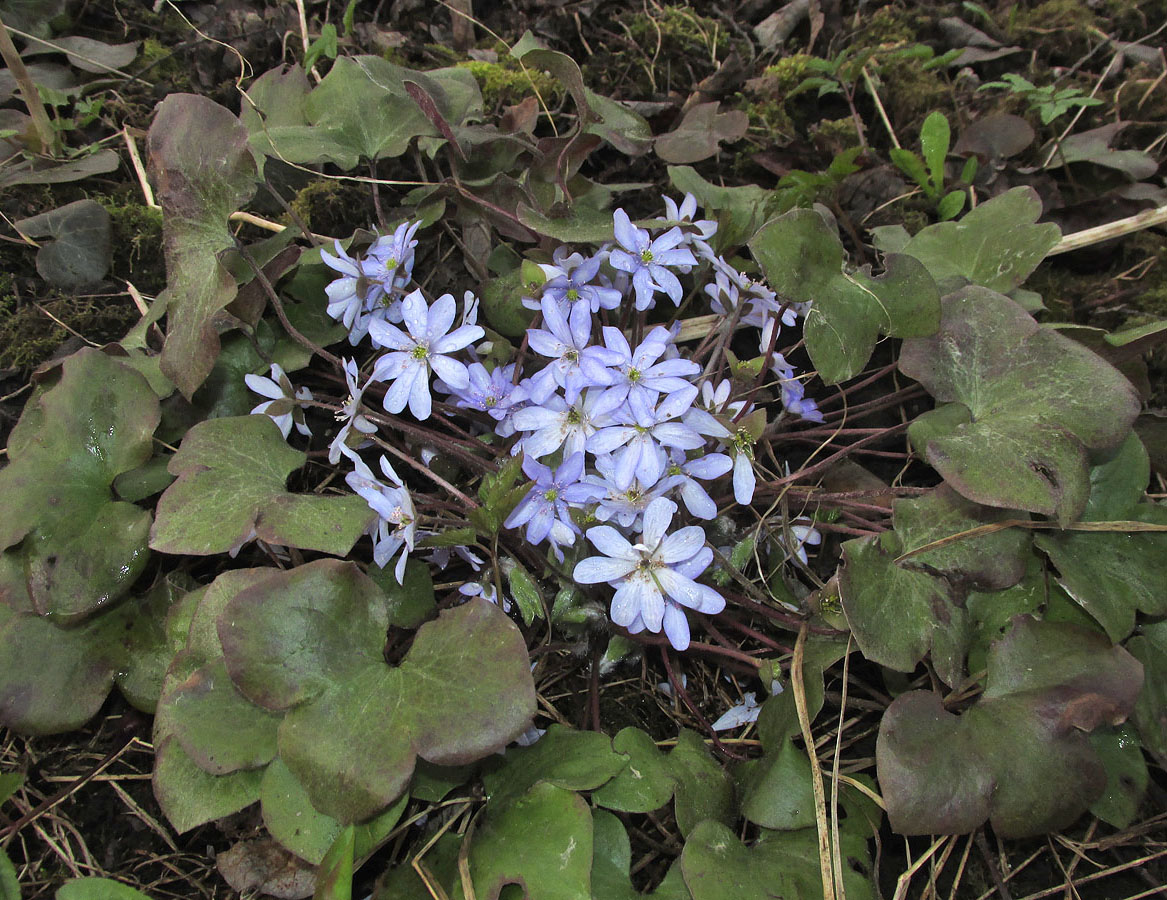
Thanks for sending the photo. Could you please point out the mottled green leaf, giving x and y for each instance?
(573, 760)
(996, 245)
(645, 784)
(1114, 575)
(1030, 420)
(78, 255)
(463, 691)
(290, 636)
(81, 549)
(704, 790)
(190, 797)
(98, 889)
(803, 260)
(201, 164)
(897, 615)
(1126, 775)
(542, 841)
(1020, 757)
(231, 487)
(989, 562)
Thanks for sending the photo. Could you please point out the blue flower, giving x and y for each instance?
(396, 524)
(553, 424)
(683, 474)
(647, 260)
(493, 393)
(640, 434)
(570, 281)
(352, 294)
(389, 260)
(621, 505)
(654, 578)
(565, 341)
(546, 510)
(413, 356)
(640, 371)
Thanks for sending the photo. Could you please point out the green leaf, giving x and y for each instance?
(543, 841)
(573, 760)
(611, 859)
(78, 256)
(189, 796)
(1114, 575)
(997, 245)
(289, 637)
(951, 205)
(463, 691)
(9, 886)
(988, 562)
(1019, 757)
(10, 783)
(934, 140)
(1029, 421)
(803, 260)
(704, 790)
(525, 593)
(411, 602)
(911, 165)
(740, 210)
(1126, 775)
(98, 889)
(620, 126)
(200, 161)
(777, 790)
(81, 549)
(717, 866)
(230, 488)
(1150, 717)
(991, 613)
(334, 881)
(924, 617)
(645, 784)
(215, 724)
(502, 304)
(1118, 483)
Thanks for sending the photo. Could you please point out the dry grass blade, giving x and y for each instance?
(816, 773)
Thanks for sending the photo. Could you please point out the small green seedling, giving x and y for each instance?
(928, 172)
(1047, 101)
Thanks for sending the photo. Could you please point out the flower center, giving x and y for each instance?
(646, 256)
(673, 469)
(574, 417)
(420, 352)
(391, 264)
(743, 443)
(489, 401)
(634, 375)
(571, 356)
(572, 294)
(550, 495)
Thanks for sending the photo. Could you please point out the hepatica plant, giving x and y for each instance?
(338, 515)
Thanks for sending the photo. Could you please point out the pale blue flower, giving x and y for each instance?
(424, 349)
(646, 260)
(395, 527)
(572, 280)
(284, 404)
(564, 340)
(546, 510)
(653, 578)
(682, 474)
(621, 505)
(640, 434)
(350, 414)
(554, 424)
(641, 371)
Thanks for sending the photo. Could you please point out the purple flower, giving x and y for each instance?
(413, 356)
(640, 434)
(624, 506)
(390, 258)
(641, 371)
(646, 260)
(350, 295)
(396, 523)
(554, 424)
(490, 392)
(565, 341)
(683, 474)
(546, 508)
(570, 281)
(350, 414)
(653, 578)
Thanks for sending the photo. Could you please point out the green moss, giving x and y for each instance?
(833, 136)
(1064, 29)
(136, 238)
(329, 206)
(159, 63)
(889, 26)
(505, 83)
(29, 336)
(786, 74)
(909, 92)
(679, 31)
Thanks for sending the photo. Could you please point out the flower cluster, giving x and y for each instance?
(613, 431)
